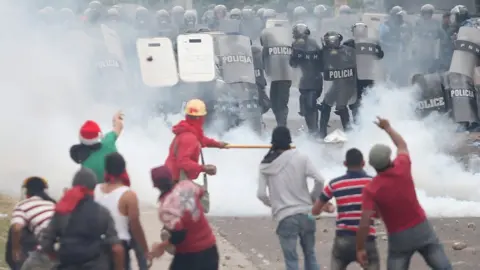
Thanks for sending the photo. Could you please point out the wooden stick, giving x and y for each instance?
(250, 146)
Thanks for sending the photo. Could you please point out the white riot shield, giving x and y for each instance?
(373, 22)
(467, 51)
(113, 43)
(368, 64)
(157, 62)
(196, 57)
(276, 23)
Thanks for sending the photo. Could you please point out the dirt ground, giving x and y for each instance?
(255, 237)
(6, 207)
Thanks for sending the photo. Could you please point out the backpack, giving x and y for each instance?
(81, 241)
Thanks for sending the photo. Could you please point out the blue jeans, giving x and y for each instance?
(289, 230)
(421, 238)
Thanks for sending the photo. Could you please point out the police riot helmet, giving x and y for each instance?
(299, 12)
(300, 30)
(332, 39)
(48, 10)
(395, 10)
(247, 13)
(269, 14)
(427, 10)
(319, 11)
(260, 12)
(220, 11)
(92, 15)
(208, 17)
(344, 9)
(113, 13)
(66, 15)
(95, 5)
(178, 10)
(459, 14)
(235, 14)
(162, 16)
(141, 14)
(190, 17)
(360, 29)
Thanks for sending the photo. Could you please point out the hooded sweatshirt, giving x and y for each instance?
(185, 149)
(285, 175)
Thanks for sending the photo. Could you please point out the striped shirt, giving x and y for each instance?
(347, 190)
(33, 212)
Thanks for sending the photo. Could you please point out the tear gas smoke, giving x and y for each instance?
(47, 95)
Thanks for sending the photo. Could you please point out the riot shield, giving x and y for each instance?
(476, 80)
(157, 62)
(462, 97)
(236, 59)
(368, 63)
(467, 51)
(196, 58)
(229, 26)
(373, 21)
(277, 23)
(431, 95)
(277, 42)
(340, 69)
(113, 43)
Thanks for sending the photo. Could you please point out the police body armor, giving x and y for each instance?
(458, 82)
(368, 63)
(236, 59)
(340, 69)
(276, 42)
(307, 54)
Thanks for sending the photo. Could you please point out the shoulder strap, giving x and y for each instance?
(183, 175)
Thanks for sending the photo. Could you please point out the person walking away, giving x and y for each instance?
(392, 194)
(32, 215)
(186, 147)
(347, 191)
(93, 146)
(83, 230)
(284, 172)
(181, 211)
(122, 202)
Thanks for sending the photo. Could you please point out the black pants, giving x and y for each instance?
(325, 111)
(279, 96)
(308, 108)
(203, 260)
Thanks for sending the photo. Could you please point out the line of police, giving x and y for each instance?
(349, 67)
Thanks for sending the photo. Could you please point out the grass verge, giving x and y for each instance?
(6, 206)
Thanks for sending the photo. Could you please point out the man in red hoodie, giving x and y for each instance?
(186, 147)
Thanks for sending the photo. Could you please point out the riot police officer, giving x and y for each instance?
(368, 55)
(307, 55)
(190, 19)
(339, 68)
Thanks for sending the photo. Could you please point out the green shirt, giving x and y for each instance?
(96, 160)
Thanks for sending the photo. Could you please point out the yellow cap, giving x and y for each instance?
(195, 107)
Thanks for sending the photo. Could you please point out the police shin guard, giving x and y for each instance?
(325, 111)
(344, 118)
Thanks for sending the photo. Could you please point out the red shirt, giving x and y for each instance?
(181, 209)
(392, 194)
(188, 147)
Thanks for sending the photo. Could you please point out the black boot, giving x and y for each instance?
(344, 118)
(324, 119)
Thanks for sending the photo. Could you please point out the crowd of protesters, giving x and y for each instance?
(96, 223)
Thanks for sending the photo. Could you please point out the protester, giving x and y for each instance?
(122, 202)
(347, 191)
(32, 215)
(181, 211)
(186, 146)
(83, 229)
(284, 172)
(93, 147)
(392, 194)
